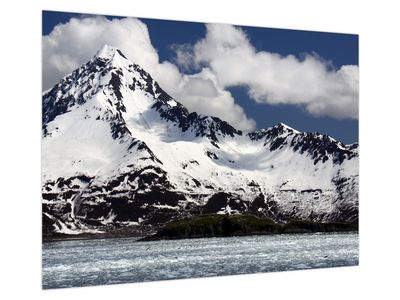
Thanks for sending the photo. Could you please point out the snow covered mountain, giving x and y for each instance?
(118, 151)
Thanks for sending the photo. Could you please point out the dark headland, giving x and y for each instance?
(240, 225)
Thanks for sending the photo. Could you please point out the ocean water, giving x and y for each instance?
(77, 263)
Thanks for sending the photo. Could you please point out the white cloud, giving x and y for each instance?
(275, 79)
(202, 93)
(184, 56)
(71, 44)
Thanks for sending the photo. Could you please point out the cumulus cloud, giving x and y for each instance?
(202, 93)
(184, 56)
(275, 79)
(71, 44)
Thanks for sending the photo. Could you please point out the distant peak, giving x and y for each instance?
(108, 52)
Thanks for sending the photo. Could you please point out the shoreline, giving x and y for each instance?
(127, 232)
(142, 238)
(84, 237)
(209, 226)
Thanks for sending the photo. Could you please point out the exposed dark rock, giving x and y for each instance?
(211, 155)
(238, 225)
(216, 203)
(196, 182)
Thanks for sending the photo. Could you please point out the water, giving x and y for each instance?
(108, 261)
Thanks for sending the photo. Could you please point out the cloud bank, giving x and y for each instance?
(275, 79)
(224, 58)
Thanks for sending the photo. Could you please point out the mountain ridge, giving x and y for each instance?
(144, 159)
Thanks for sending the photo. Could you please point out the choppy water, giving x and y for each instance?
(108, 261)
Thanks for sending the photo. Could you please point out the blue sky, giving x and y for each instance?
(336, 50)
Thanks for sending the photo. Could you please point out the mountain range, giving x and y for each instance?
(119, 152)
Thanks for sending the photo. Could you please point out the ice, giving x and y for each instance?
(108, 261)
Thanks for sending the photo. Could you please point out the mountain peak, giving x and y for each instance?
(283, 126)
(109, 52)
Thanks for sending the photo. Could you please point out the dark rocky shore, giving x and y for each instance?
(123, 232)
(239, 225)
